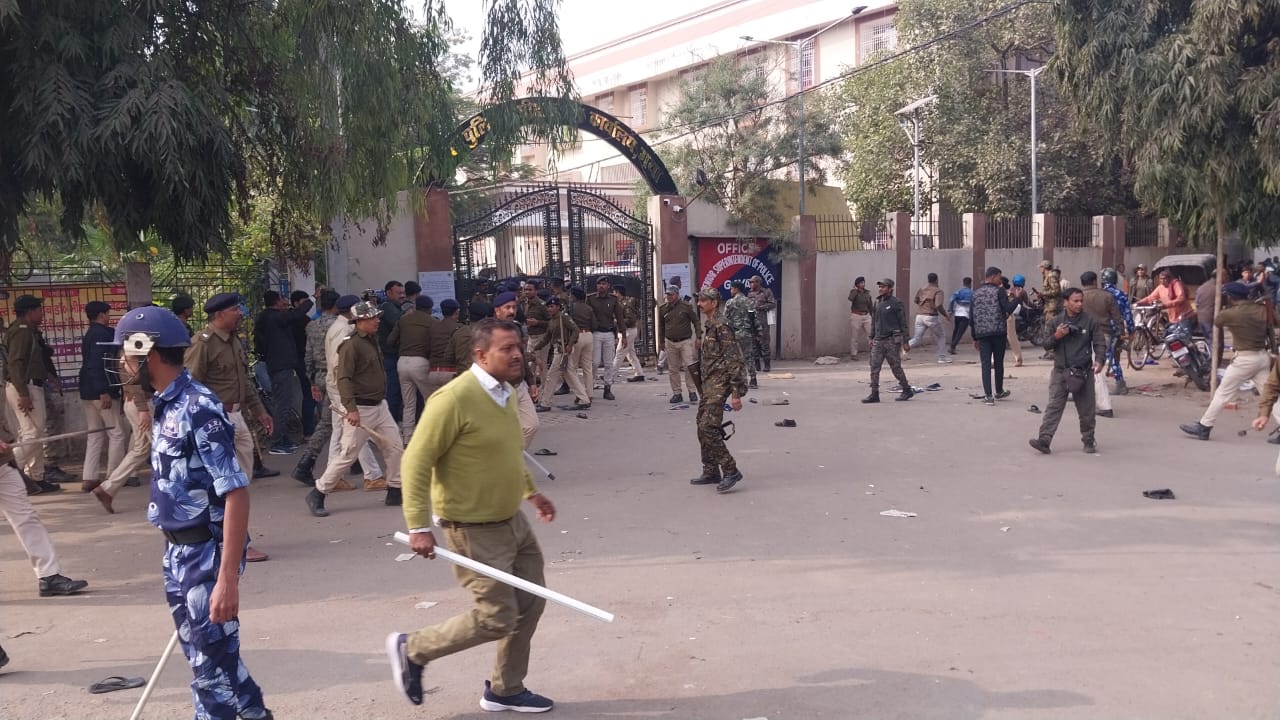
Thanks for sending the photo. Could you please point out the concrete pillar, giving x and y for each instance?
(1118, 227)
(433, 233)
(900, 240)
(1048, 235)
(671, 239)
(975, 237)
(807, 238)
(137, 284)
(1166, 234)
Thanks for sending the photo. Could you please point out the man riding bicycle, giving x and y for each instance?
(1171, 295)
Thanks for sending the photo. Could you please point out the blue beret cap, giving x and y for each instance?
(221, 301)
(1236, 289)
(346, 302)
(448, 305)
(504, 298)
(424, 302)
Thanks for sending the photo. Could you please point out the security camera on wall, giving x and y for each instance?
(677, 209)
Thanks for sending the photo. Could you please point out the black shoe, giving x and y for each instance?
(756, 362)
(393, 497)
(1040, 445)
(637, 378)
(60, 585)
(564, 390)
(1090, 448)
(303, 473)
(768, 366)
(753, 385)
(1121, 388)
(582, 406)
(262, 471)
(40, 487)
(542, 408)
(405, 673)
(55, 474)
(315, 503)
(705, 479)
(727, 483)
(677, 398)
(356, 469)
(524, 701)
(608, 392)
(133, 481)
(693, 397)
(988, 400)
(1274, 439)
(1003, 394)
(4, 658)
(1196, 430)
(907, 394)
(1106, 413)
(874, 397)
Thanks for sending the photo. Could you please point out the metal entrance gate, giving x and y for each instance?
(518, 234)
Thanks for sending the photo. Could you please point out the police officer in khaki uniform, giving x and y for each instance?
(412, 337)
(678, 327)
(362, 391)
(442, 366)
(30, 370)
(216, 359)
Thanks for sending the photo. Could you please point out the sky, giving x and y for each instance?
(584, 24)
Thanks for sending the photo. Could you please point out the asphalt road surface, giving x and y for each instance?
(1026, 586)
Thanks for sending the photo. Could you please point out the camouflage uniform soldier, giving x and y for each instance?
(740, 316)
(1051, 296)
(724, 379)
(317, 369)
(888, 333)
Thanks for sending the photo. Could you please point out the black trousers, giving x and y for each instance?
(962, 324)
(991, 356)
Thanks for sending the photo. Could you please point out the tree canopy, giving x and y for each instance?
(175, 116)
(1189, 92)
(976, 136)
(730, 124)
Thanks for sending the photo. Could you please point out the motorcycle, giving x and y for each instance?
(1189, 353)
(1030, 321)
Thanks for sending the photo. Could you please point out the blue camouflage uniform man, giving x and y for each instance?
(723, 380)
(740, 316)
(200, 501)
(1118, 334)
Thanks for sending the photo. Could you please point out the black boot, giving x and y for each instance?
(1196, 430)
(874, 397)
(562, 390)
(393, 497)
(608, 392)
(303, 473)
(315, 503)
(356, 469)
(706, 479)
(727, 483)
(768, 364)
(260, 470)
(51, 585)
(907, 394)
(4, 658)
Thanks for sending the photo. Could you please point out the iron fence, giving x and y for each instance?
(843, 233)
(1073, 231)
(65, 290)
(1010, 233)
(1141, 231)
(944, 231)
(203, 281)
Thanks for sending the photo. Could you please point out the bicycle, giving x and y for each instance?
(1147, 343)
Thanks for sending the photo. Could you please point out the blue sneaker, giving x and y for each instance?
(520, 702)
(405, 673)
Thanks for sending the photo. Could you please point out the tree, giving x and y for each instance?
(1190, 93)
(176, 115)
(729, 124)
(977, 134)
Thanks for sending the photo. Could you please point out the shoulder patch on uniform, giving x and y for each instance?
(204, 335)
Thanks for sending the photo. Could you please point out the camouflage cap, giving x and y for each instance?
(1045, 264)
(365, 311)
(887, 282)
(709, 294)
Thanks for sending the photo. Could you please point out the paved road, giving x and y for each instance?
(1027, 587)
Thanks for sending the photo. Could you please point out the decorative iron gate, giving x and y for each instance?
(518, 234)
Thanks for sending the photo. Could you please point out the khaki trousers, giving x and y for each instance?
(139, 454)
(501, 613)
(860, 329)
(1246, 365)
(562, 372)
(244, 442)
(30, 427)
(680, 355)
(26, 524)
(337, 426)
(415, 373)
(539, 358)
(580, 363)
(1012, 334)
(527, 413)
(95, 418)
(376, 424)
(628, 353)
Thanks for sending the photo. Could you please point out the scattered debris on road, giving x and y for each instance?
(898, 513)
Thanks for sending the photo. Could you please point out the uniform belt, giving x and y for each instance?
(604, 330)
(188, 536)
(679, 340)
(368, 403)
(858, 312)
(37, 383)
(452, 525)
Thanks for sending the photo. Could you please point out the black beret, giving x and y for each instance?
(27, 302)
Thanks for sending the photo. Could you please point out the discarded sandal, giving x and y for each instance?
(116, 682)
(1161, 494)
(787, 422)
(545, 451)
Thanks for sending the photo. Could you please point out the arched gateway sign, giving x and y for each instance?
(597, 122)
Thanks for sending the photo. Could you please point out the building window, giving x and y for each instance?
(605, 103)
(881, 37)
(806, 65)
(639, 106)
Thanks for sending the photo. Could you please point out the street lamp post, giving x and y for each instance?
(1033, 74)
(909, 121)
(800, 46)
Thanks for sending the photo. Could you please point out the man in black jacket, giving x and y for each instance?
(274, 343)
(888, 335)
(1079, 350)
(99, 397)
(989, 309)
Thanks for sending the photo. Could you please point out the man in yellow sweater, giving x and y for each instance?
(465, 464)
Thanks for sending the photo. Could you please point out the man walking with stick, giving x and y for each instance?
(200, 501)
(465, 464)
